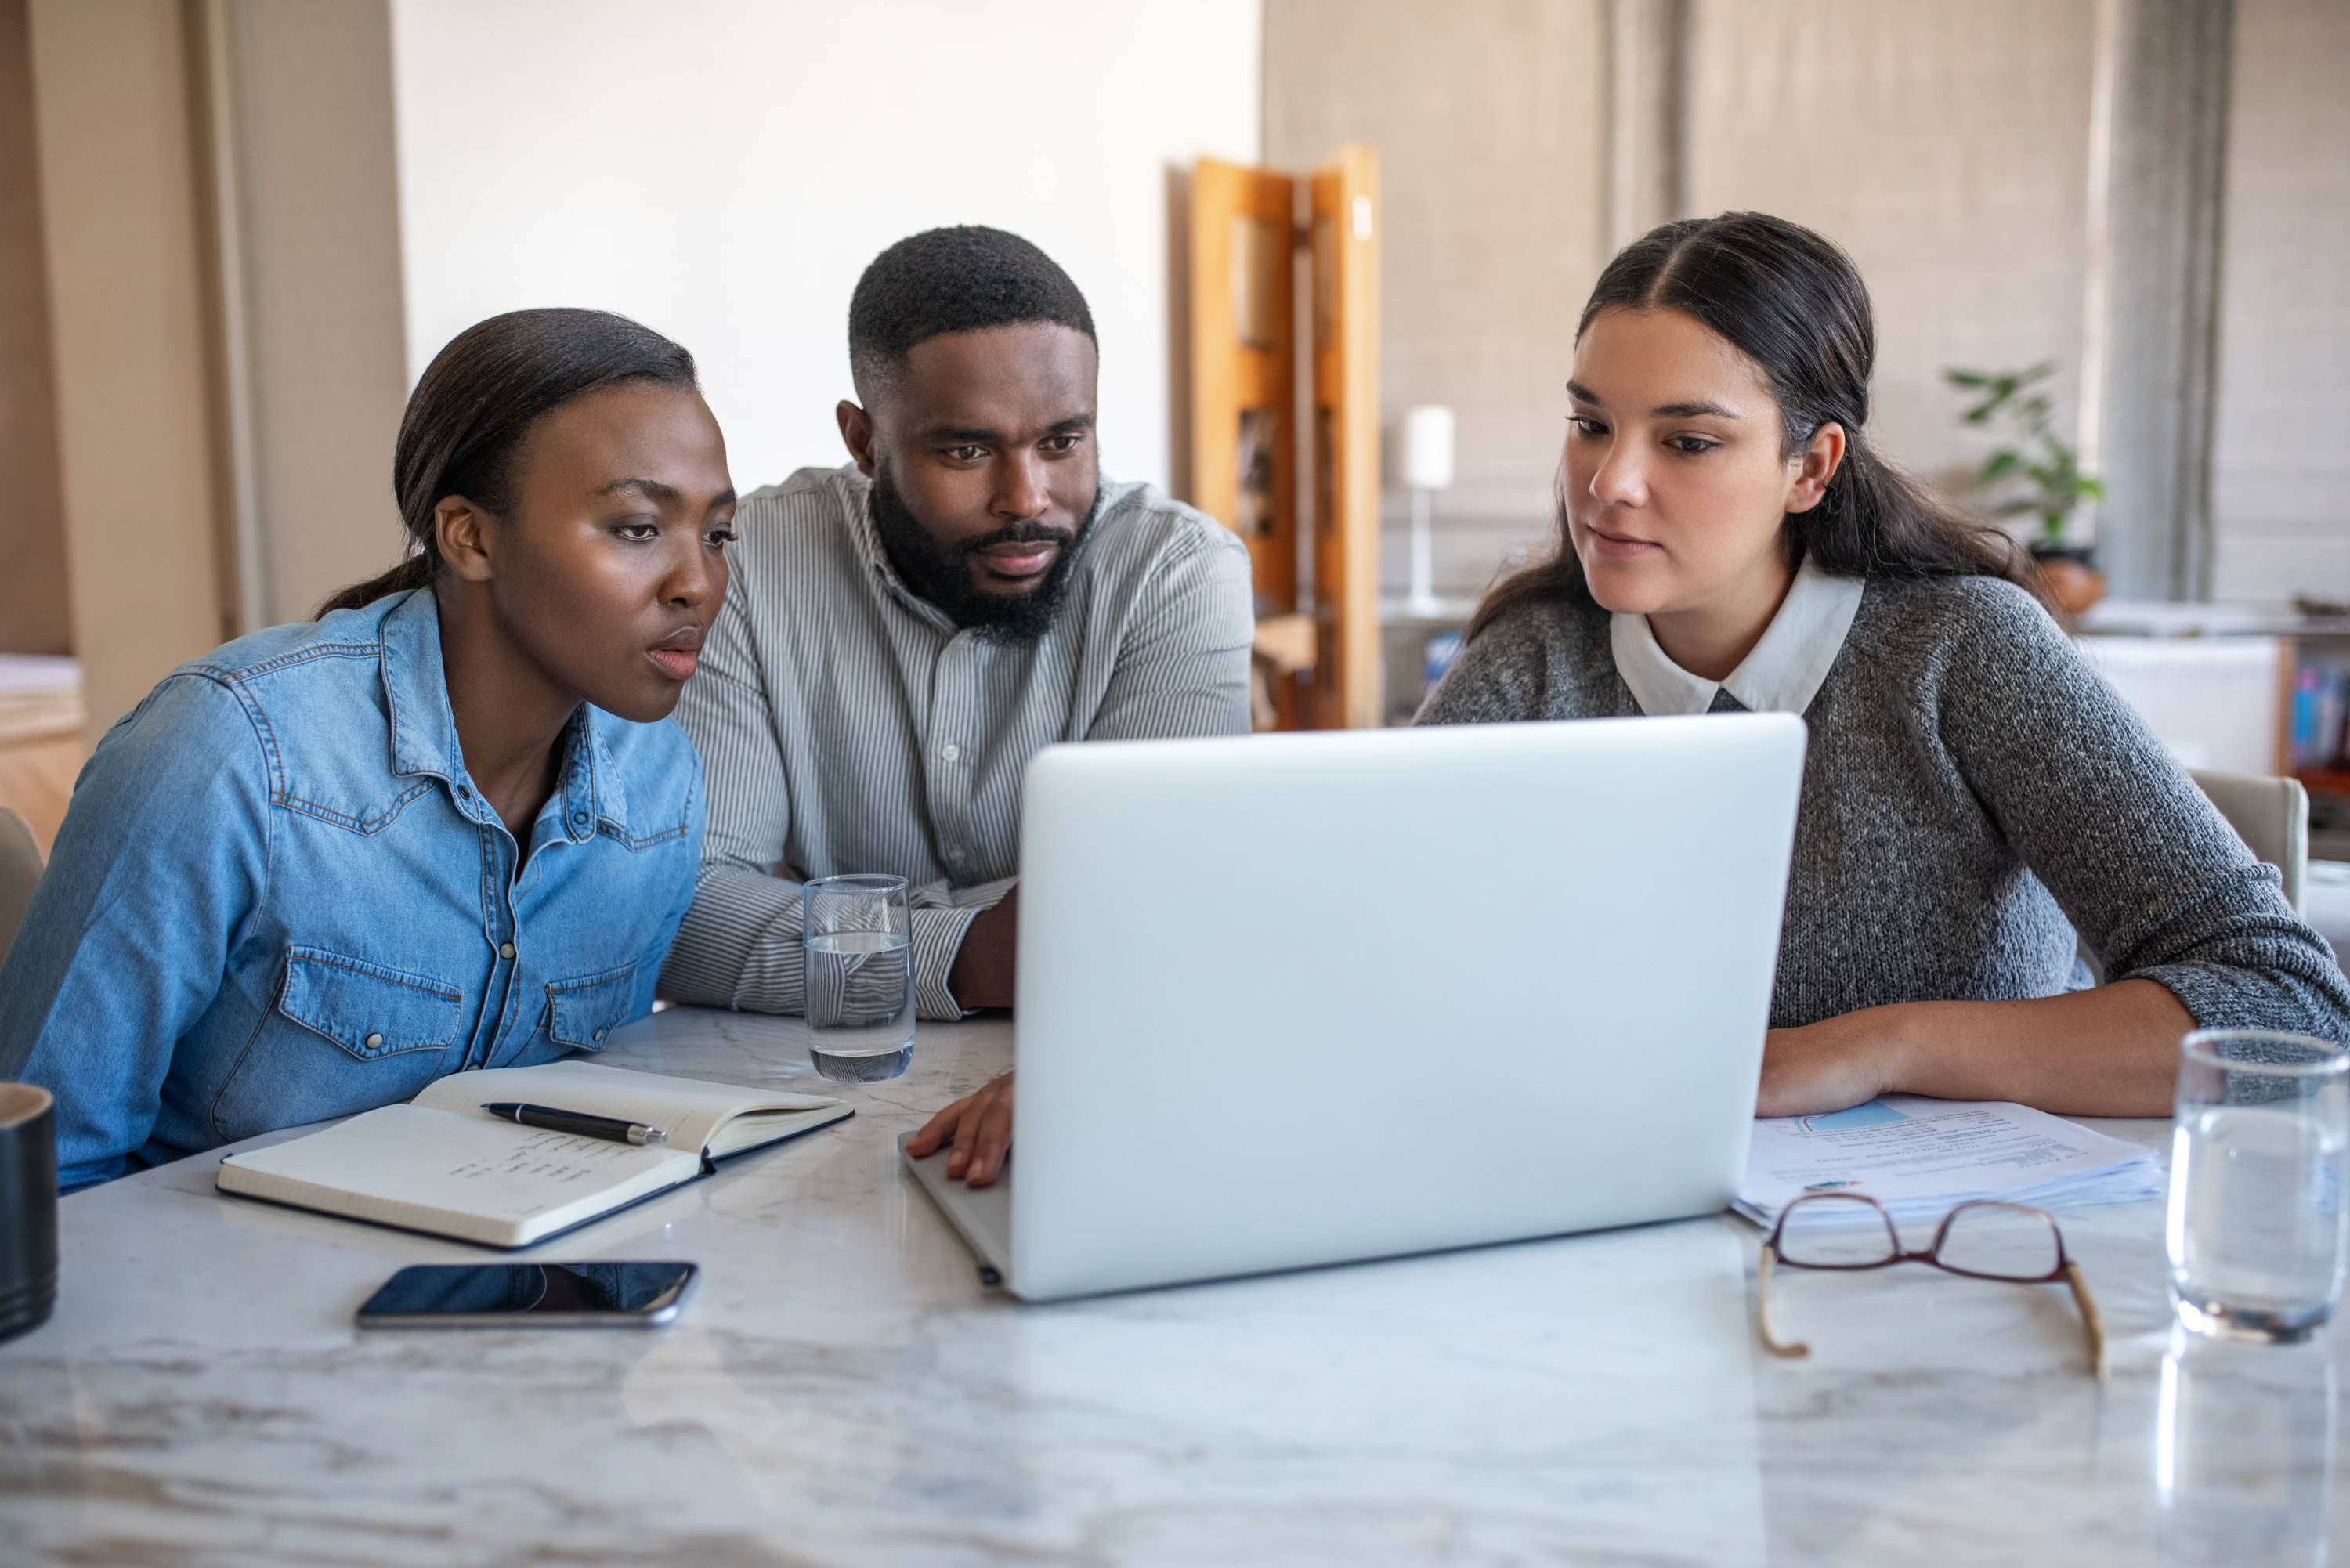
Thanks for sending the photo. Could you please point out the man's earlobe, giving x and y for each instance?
(856, 431)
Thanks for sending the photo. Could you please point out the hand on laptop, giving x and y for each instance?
(978, 1127)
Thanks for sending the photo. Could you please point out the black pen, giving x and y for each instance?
(578, 1122)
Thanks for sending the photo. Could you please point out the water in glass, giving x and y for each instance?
(868, 1035)
(2258, 1233)
(2256, 1216)
(855, 935)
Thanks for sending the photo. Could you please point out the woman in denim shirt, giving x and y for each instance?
(446, 825)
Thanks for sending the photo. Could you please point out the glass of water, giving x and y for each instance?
(860, 977)
(2258, 1159)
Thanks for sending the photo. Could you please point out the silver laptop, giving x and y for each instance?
(1306, 999)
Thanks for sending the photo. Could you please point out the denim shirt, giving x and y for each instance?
(278, 898)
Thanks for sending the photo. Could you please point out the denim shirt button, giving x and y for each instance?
(599, 1033)
(373, 1041)
(505, 949)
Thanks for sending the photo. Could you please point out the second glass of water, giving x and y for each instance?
(2256, 1230)
(860, 977)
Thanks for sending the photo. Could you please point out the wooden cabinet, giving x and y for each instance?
(1263, 361)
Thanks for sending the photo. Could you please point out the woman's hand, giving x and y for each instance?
(2110, 1052)
(1829, 1065)
(978, 1127)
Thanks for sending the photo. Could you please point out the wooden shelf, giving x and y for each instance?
(2324, 781)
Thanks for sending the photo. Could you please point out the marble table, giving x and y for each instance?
(843, 1391)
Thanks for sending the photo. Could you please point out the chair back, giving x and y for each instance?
(20, 868)
(2271, 816)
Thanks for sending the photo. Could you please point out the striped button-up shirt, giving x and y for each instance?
(847, 726)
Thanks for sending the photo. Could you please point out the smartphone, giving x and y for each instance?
(530, 1295)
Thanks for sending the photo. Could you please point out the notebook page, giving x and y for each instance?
(753, 1128)
(471, 1176)
(688, 1109)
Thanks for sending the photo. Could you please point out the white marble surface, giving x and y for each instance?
(844, 1392)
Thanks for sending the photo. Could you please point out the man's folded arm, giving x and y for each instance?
(740, 945)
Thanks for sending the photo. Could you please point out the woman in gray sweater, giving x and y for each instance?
(1974, 794)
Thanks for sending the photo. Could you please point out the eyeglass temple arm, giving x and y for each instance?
(2089, 1318)
(1789, 1349)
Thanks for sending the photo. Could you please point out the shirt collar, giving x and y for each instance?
(590, 792)
(425, 730)
(1781, 675)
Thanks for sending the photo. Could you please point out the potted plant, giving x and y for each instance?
(2034, 473)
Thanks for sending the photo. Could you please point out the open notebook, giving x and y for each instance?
(441, 1163)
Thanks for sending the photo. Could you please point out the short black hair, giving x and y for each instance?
(963, 279)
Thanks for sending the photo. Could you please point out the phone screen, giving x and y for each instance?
(520, 1292)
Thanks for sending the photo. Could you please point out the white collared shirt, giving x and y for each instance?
(1781, 675)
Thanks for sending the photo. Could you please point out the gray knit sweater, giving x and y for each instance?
(1970, 784)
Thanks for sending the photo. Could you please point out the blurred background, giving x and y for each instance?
(232, 232)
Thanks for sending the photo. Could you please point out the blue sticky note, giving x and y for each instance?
(1875, 1113)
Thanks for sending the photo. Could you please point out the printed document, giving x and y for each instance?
(1923, 1158)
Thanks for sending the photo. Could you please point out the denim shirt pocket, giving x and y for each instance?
(583, 1012)
(369, 1011)
(343, 1035)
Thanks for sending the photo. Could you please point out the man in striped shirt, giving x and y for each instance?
(905, 632)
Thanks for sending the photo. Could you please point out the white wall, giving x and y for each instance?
(1485, 118)
(723, 170)
(125, 252)
(317, 224)
(1946, 145)
(1947, 148)
(2281, 473)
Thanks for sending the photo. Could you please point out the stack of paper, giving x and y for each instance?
(1920, 1159)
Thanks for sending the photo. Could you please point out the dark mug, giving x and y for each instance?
(29, 1208)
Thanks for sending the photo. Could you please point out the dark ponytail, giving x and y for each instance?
(1792, 302)
(480, 397)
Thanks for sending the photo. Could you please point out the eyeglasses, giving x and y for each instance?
(1983, 1241)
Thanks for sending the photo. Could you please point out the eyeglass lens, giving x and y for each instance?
(1835, 1231)
(1999, 1243)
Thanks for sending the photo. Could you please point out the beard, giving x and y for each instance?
(942, 574)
